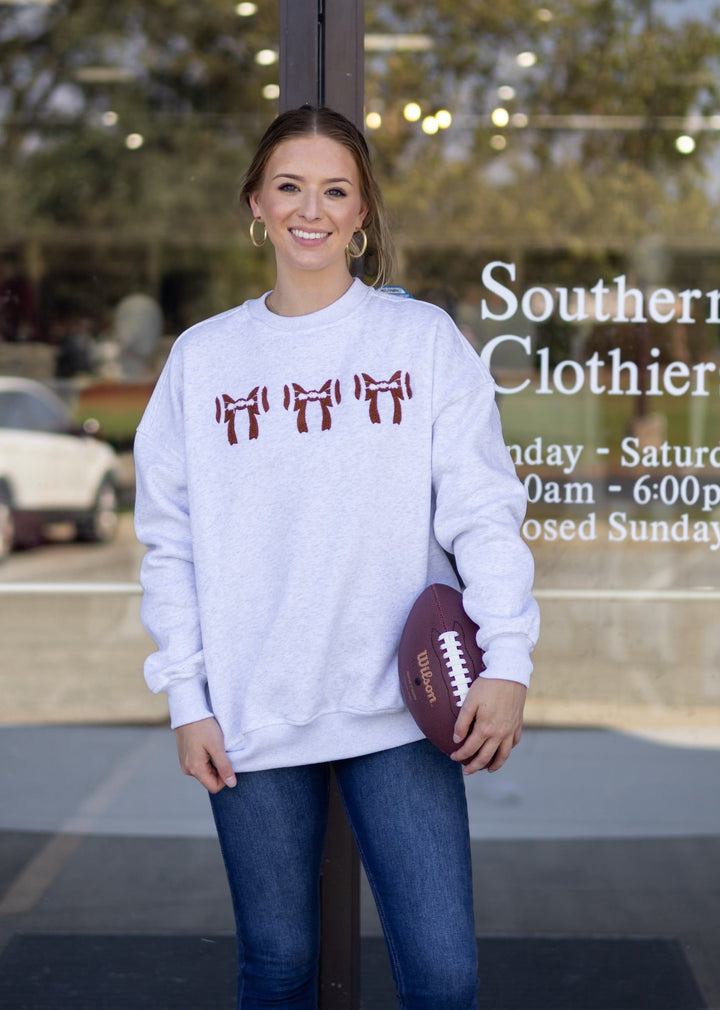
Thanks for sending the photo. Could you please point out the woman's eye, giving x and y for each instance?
(288, 187)
(336, 192)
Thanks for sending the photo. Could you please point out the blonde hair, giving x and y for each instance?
(308, 121)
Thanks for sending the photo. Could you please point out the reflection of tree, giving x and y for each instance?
(183, 76)
(77, 77)
(612, 85)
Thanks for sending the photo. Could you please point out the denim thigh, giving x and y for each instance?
(408, 811)
(271, 828)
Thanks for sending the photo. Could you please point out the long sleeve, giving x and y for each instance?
(170, 609)
(479, 508)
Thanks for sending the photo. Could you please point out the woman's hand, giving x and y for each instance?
(201, 749)
(489, 724)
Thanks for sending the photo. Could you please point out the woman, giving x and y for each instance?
(306, 461)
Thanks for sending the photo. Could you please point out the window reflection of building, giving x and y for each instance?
(556, 139)
(544, 138)
(17, 303)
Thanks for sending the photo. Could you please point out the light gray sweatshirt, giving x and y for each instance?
(299, 480)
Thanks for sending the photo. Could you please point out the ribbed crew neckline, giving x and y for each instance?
(332, 313)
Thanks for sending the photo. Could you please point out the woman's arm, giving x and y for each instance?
(169, 609)
(479, 508)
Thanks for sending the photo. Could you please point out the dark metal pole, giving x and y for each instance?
(344, 49)
(322, 56)
(300, 49)
(322, 63)
(340, 914)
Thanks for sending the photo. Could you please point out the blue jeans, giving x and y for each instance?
(407, 810)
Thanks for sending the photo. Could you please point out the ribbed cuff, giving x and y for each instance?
(507, 657)
(187, 700)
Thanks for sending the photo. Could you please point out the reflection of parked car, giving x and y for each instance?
(51, 470)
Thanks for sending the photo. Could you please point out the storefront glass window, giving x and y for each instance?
(123, 134)
(553, 177)
(553, 174)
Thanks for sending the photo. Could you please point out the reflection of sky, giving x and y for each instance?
(677, 11)
(69, 99)
(21, 20)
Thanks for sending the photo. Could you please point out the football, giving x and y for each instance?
(438, 659)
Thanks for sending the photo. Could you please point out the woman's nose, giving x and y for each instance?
(310, 208)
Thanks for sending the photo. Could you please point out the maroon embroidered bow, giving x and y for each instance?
(323, 396)
(227, 410)
(398, 385)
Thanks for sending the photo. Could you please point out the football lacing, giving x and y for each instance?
(456, 664)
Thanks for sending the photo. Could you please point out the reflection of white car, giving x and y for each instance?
(50, 469)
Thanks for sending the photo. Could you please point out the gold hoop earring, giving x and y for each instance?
(258, 245)
(357, 255)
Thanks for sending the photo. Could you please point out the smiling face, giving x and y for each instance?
(311, 203)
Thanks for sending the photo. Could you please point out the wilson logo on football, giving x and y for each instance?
(424, 677)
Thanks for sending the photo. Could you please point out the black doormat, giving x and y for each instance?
(120, 972)
(562, 973)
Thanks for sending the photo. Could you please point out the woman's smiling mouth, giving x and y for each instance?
(308, 236)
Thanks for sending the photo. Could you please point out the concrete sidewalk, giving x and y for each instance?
(584, 833)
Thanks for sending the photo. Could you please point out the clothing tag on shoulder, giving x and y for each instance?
(396, 289)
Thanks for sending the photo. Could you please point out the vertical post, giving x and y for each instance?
(322, 55)
(344, 49)
(300, 53)
(340, 914)
(322, 63)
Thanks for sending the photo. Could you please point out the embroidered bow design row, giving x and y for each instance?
(327, 396)
(227, 408)
(398, 385)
